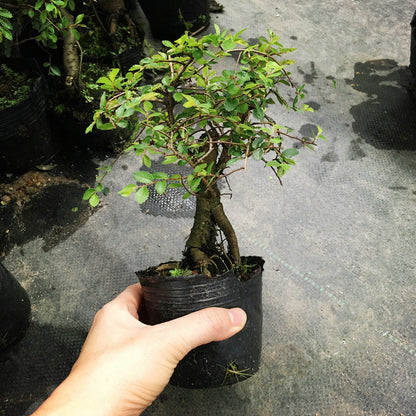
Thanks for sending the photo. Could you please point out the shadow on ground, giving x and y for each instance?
(387, 120)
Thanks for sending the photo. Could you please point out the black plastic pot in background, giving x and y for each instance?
(25, 135)
(170, 19)
(216, 363)
(413, 46)
(14, 309)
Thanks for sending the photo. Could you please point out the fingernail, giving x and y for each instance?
(238, 317)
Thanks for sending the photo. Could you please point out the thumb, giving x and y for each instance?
(202, 327)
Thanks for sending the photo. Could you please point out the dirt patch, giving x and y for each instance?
(40, 204)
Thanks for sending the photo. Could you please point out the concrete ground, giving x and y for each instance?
(338, 238)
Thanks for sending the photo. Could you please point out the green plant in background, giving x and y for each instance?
(22, 84)
(68, 29)
(51, 21)
(6, 27)
(213, 122)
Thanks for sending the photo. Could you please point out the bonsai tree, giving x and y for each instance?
(211, 122)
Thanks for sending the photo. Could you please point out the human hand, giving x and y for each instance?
(124, 364)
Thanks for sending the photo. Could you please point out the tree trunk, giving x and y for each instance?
(202, 245)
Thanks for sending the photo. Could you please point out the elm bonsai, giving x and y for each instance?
(211, 122)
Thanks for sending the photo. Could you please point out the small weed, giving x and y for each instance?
(232, 372)
(180, 272)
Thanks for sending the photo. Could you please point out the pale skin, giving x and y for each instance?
(124, 364)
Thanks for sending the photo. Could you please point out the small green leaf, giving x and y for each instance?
(147, 161)
(289, 153)
(169, 159)
(258, 113)
(79, 18)
(5, 13)
(258, 154)
(230, 104)
(228, 45)
(94, 200)
(160, 187)
(197, 53)
(141, 195)
(143, 176)
(160, 175)
(147, 106)
(273, 163)
(233, 90)
(242, 108)
(168, 44)
(55, 71)
(127, 190)
(88, 193)
(178, 97)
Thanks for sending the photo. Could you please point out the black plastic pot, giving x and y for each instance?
(413, 46)
(25, 135)
(170, 19)
(14, 309)
(216, 363)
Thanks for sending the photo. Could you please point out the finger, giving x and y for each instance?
(204, 326)
(130, 298)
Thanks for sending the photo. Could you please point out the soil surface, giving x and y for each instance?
(46, 202)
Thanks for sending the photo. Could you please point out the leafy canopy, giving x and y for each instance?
(197, 115)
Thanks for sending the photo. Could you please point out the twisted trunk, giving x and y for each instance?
(202, 246)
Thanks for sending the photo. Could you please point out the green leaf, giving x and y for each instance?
(169, 159)
(55, 71)
(160, 175)
(289, 153)
(88, 193)
(127, 190)
(230, 104)
(282, 169)
(228, 45)
(168, 44)
(258, 154)
(160, 187)
(147, 106)
(273, 163)
(5, 13)
(78, 19)
(178, 97)
(147, 161)
(233, 90)
(94, 200)
(141, 195)
(200, 167)
(258, 113)
(113, 73)
(143, 176)
(242, 108)
(197, 53)
(90, 127)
